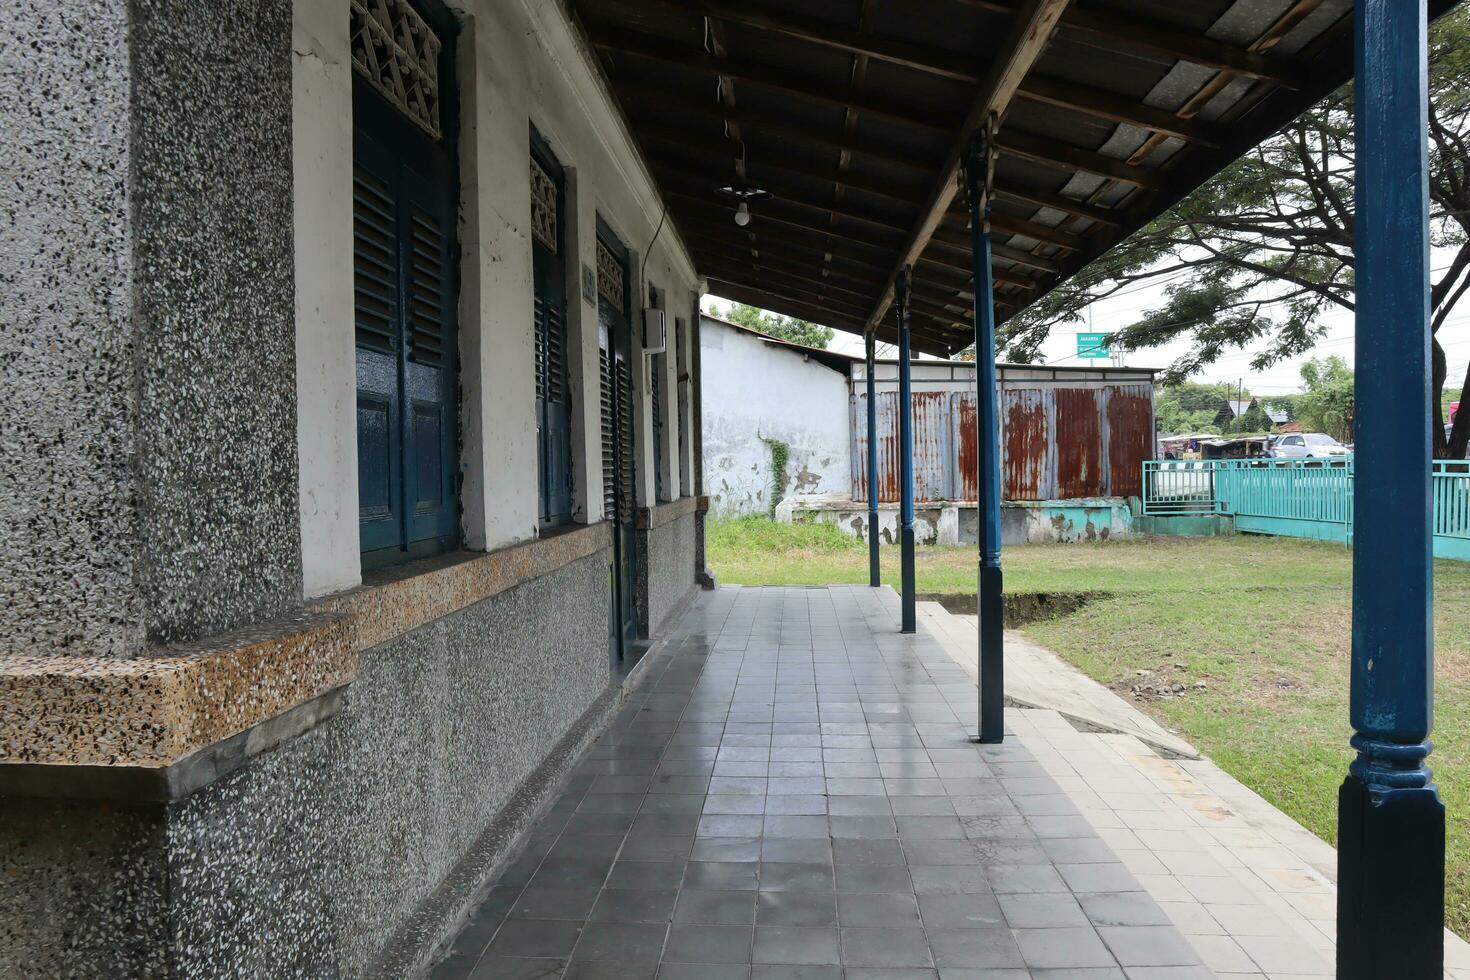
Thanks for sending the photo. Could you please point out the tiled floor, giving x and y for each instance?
(792, 794)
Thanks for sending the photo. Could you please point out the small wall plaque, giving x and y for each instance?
(589, 285)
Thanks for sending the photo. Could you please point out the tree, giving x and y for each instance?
(802, 332)
(1273, 233)
(1189, 406)
(1326, 402)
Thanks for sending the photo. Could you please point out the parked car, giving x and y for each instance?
(1308, 445)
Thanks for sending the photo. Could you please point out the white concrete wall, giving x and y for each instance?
(326, 379)
(520, 65)
(753, 389)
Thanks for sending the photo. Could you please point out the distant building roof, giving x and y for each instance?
(1278, 416)
(1238, 407)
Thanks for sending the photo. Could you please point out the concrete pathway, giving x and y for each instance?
(1252, 890)
(792, 794)
(1038, 678)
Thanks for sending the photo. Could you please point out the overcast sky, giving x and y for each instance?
(1283, 378)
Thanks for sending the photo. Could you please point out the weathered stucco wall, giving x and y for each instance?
(309, 859)
(755, 391)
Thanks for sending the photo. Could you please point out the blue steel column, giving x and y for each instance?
(874, 575)
(989, 602)
(906, 455)
(1391, 823)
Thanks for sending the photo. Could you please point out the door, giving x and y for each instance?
(619, 457)
(404, 190)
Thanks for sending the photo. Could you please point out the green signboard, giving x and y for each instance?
(1093, 345)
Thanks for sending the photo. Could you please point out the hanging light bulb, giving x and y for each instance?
(742, 195)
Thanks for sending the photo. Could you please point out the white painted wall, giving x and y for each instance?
(754, 389)
(326, 382)
(520, 64)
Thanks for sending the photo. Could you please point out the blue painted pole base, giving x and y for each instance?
(910, 615)
(1390, 887)
(875, 578)
(991, 609)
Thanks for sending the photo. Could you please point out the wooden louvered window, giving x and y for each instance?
(549, 311)
(404, 194)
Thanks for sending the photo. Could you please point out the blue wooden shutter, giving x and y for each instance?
(549, 311)
(405, 191)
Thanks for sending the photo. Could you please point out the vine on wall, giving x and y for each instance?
(780, 453)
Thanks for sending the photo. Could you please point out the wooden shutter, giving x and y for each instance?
(549, 314)
(626, 491)
(656, 396)
(609, 452)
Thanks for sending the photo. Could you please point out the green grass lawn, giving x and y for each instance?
(1264, 622)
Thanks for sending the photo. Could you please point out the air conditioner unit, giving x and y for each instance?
(655, 331)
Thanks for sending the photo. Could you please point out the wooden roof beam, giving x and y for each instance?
(1069, 157)
(839, 240)
(1116, 28)
(1029, 33)
(781, 163)
(720, 260)
(895, 156)
(946, 64)
(800, 85)
(806, 311)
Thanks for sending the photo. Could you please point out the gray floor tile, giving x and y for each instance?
(1067, 947)
(877, 910)
(1148, 946)
(535, 937)
(974, 949)
(621, 942)
(793, 877)
(720, 876)
(873, 878)
(885, 947)
(715, 907)
(511, 968)
(798, 850)
(960, 912)
(634, 905)
(646, 874)
(1044, 910)
(796, 909)
(796, 945)
(554, 903)
(704, 971)
(709, 944)
(726, 849)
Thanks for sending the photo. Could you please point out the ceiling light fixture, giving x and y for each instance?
(742, 195)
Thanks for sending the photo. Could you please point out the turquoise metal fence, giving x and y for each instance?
(1304, 498)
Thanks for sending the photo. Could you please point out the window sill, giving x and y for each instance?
(163, 724)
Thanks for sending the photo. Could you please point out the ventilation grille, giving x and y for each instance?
(543, 207)
(396, 51)
(374, 263)
(610, 276)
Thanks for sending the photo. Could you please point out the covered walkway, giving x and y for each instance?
(793, 793)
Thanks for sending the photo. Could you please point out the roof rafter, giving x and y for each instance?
(947, 64)
(1151, 37)
(1027, 38)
